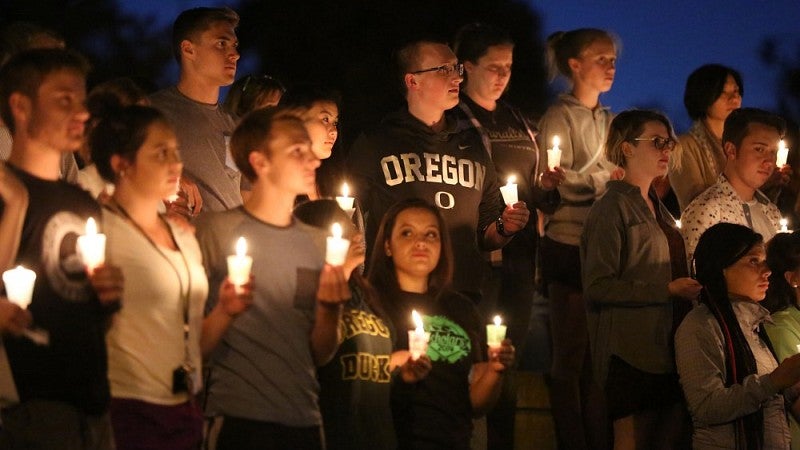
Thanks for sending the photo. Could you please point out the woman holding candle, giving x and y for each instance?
(355, 407)
(411, 267)
(733, 384)
(165, 286)
(587, 58)
(637, 288)
(783, 302)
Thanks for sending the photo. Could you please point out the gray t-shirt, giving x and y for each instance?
(203, 132)
(263, 369)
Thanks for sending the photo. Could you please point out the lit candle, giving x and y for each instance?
(345, 201)
(554, 154)
(336, 250)
(92, 246)
(239, 265)
(509, 191)
(495, 333)
(784, 223)
(174, 196)
(678, 224)
(417, 338)
(783, 154)
(19, 285)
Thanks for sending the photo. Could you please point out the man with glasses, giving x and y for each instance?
(750, 142)
(422, 151)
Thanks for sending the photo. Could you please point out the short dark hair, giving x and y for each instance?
(25, 72)
(737, 125)
(473, 40)
(121, 132)
(194, 21)
(704, 86)
(254, 133)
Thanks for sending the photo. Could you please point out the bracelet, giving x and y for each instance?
(501, 228)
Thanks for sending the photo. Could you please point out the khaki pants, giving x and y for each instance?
(45, 425)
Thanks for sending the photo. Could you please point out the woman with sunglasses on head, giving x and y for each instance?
(637, 288)
(154, 354)
(586, 57)
(731, 380)
(253, 92)
(411, 267)
(783, 302)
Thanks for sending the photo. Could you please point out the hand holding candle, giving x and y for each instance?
(783, 154)
(19, 289)
(495, 333)
(19, 285)
(417, 338)
(92, 246)
(509, 191)
(554, 154)
(239, 265)
(345, 201)
(336, 251)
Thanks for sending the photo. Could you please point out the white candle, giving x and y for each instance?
(239, 265)
(495, 333)
(92, 246)
(784, 223)
(509, 191)
(19, 285)
(417, 338)
(174, 196)
(554, 154)
(783, 154)
(336, 251)
(345, 201)
(678, 224)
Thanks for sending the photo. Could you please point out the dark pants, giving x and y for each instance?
(141, 425)
(45, 425)
(245, 434)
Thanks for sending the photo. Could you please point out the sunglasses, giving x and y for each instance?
(659, 142)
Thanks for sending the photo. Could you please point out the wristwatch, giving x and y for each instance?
(501, 228)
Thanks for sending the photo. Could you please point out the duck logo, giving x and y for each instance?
(449, 342)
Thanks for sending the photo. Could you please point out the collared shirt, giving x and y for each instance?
(700, 357)
(720, 203)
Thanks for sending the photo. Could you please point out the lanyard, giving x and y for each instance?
(115, 207)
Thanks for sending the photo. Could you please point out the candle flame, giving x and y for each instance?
(512, 179)
(784, 222)
(345, 190)
(556, 141)
(781, 145)
(497, 321)
(417, 321)
(91, 227)
(241, 247)
(678, 223)
(336, 230)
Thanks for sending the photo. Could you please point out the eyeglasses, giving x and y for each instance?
(444, 70)
(659, 142)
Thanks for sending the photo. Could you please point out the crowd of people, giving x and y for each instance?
(659, 335)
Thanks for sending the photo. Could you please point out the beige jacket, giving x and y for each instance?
(697, 164)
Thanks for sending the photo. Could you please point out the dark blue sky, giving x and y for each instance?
(662, 42)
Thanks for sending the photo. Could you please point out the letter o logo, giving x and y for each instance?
(444, 200)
